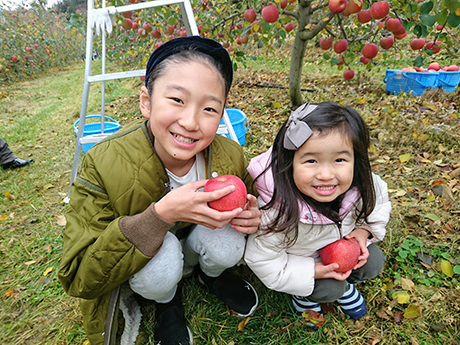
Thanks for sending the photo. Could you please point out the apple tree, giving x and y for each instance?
(350, 32)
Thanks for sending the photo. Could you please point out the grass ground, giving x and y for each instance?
(415, 149)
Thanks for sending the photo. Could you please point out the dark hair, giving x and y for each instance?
(326, 118)
(186, 55)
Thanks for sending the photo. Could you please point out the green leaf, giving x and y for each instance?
(456, 269)
(417, 30)
(446, 268)
(432, 217)
(452, 5)
(426, 8)
(424, 31)
(441, 17)
(453, 20)
(418, 62)
(428, 20)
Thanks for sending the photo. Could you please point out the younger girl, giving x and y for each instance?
(316, 186)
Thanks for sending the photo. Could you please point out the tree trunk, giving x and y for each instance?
(295, 72)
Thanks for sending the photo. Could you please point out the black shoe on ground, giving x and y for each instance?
(17, 163)
(235, 292)
(171, 327)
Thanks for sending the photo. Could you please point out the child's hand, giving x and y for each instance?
(248, 221)
(361, 236)
(187, 204)
(323, 271)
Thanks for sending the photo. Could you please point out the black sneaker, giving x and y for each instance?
(170, 326)
(235, 292)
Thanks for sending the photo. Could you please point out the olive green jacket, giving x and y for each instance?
(119, 180)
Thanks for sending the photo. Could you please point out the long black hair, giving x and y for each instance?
(326, 118)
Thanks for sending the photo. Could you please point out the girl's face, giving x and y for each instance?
(185, 109)
(323, 166)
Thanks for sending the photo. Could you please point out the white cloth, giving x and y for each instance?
(102, 19)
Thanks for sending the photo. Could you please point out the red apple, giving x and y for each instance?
(128, 24)
(380, 9)
(439, 27)
(452, 68)
(337, 6)
(14, 58)
(340, 46)
(169, 29)
(289, 27)
(349, 74)
(354, 6)
(135, 25)
(434, 66)
(156, 33)
(387, 42)
(343, 252)
(231, 201)
(394, 25)
(244, 39)
(370, 50)
(283, 4)
(250, 15)
(364, 16)
(325, 43)
(417, 43)
(141, 32)
(128, 14)
(341, 60)
(28, 49)
(270, 13)
(147, 27)
(436, 47)
(364, 60)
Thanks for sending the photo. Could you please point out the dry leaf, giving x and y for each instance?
(446, 268)
(402, 297)
(3, 217)
(413, 341)
(407, 284)
(60, 220)
(9, 196)
(243, 323)
(47, 186)
(412, 312)
(10, 293)
(31, 262)
(48, 270)
(313, 317)
(398, 317)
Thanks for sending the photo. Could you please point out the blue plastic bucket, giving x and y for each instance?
(415, 83)
(448, 80)
(239, 122)
(93, 131)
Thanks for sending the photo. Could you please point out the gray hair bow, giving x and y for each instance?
(297, 131)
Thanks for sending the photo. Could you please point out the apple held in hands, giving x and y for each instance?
(231, 201)
(343, 252)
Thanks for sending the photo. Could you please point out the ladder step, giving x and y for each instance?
(118, 75)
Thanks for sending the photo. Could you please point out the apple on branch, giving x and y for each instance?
(344, 252)
(231, 201)
(337, 6)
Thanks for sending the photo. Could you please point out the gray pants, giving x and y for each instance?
(330, 290)
(6, 156)
(214, 250)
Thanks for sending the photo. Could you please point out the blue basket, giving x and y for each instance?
(239, 122)
(414, 83)
(94, 130)
(448, 80)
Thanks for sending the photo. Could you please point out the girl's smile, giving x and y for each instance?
(323, 166)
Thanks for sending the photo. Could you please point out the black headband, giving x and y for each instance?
(203, 45)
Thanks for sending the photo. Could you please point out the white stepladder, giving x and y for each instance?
(102, 20)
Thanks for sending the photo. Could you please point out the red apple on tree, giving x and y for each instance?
(364, 16)
(434, 46)
(349, 74)
(370, 50)
(417, 43)
(14, 58)
(354, 6)
(380, 9)
(289, 27)
(283, 4)
(231, 201)
(341, 60)
(387, 42)
(325, 43)
(270, 13)
(364, 60)
(394, 25)
(340, 46)
(337, 6)
(343, 252)
(156, 33)
(250, 15)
